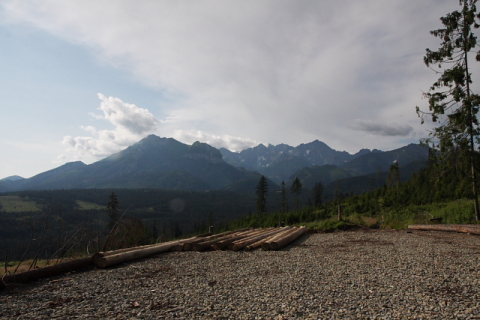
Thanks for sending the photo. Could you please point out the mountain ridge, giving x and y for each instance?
(165, 163)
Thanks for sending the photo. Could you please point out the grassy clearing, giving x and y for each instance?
(454, 212)
(17, 204)
(84, 205)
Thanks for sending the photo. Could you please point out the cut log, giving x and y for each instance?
(220, 245)
(189, 245)
(287, 239)
(266, 244)
(465, 228)
(259, 233)
(104, 260)
(49, 271)
(260, 242)
(200, 246)
(241, 244)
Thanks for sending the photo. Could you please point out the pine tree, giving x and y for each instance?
(318, 194)
(284, 198)
(297, 189)
(451, 100)
(261, 191)
(112, 210)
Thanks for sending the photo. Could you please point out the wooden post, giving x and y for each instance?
(340, 214)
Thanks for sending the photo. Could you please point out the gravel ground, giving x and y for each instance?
(345, 275)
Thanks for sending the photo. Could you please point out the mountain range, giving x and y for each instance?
(165, 163)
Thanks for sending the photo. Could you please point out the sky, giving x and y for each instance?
(82, 79)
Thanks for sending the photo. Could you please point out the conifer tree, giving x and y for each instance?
(112, 209)
(284, 198)
(297, 189)
(318, 194)
(261, 191)
(451, 100)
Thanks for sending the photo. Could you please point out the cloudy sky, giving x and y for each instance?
(81, 79)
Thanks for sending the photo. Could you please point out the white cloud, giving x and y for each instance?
(226, 141)
(274, 70)
(131, 124)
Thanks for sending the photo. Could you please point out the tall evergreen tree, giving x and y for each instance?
(318, 194)
(261, 191)
(283, 193)
(451, 100)
(297, 189)
(112, 209)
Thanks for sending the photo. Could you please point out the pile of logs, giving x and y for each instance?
(245, 239)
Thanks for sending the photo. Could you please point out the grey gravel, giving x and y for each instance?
(346, 275)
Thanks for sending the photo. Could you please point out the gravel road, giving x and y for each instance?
(382, 274)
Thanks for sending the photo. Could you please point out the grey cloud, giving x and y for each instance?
(379, 129)
(275, 71)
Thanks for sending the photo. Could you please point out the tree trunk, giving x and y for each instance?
(260, 242)
(106, 259)
(465, 228)
(238, 245)
(287, 239)
(225, 243)
(266, 244)
(189, 245)
(49, 271)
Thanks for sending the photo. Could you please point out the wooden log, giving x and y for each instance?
(259, 233)
(239, 245)
(464, 228)
(220, 245)
(285, 240)
(189, 245)
(44, 272)
(260, 242)
(200, 246)
(266, 244)
(103, 261)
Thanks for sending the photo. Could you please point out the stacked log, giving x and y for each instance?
(243, 243)
(465, 228)
(248, 239)
(188, 246)
(281, 242)
(266, 244)
(204, 245)
(260, 242)
(108, 259)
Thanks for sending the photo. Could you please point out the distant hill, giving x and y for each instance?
(381, 161)
(153, 162)
(165, 163)
(372, 181)
(281, 161)
(12, 178)
(327, 174)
